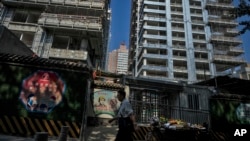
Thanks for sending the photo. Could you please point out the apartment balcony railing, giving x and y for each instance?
(180, 69)
(155, 56)
(176, 13)
(196, 14)
(151, 45)
(202, 72)
(20, 26)
(197, 40)
(77, 3)
(211, 4)
(155, 28)
(175, 4)
(147, 10)
(198, 31)
(232, 31)
(154, 18)
(71, 21)
(179, 47)
(201, 60)
(154, 68)
(198, 21)
(178, 38)
(180, 29)
(176, 57)
(223, 39)
(228, 59)
(150, 2)
(63, 53)
(222, 21)
(152, 36)
(204, 50)
(235, 51)
(195, 7)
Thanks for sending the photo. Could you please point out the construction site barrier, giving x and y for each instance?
(23, 126)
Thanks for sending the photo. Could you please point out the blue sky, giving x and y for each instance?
(120, 24)
(121, 21)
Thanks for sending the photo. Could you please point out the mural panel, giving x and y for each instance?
(42, 91)
(105, 103)
(229, 112)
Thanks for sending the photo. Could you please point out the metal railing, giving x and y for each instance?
(86, 3)
(73, 21)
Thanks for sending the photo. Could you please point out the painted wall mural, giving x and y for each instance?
(229, 112)
(105, 103)
(42, 91)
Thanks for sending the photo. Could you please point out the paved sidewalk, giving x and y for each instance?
(99, 133)
(16, 138)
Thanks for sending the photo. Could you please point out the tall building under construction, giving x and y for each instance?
(187, 40)
(69, 30)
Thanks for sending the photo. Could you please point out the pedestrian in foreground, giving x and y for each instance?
(126, 119)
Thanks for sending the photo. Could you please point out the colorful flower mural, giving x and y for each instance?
(42, 91)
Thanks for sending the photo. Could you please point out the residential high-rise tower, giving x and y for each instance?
(118, 60)
(187, 40)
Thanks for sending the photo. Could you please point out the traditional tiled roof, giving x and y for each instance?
(108, 74)
(41, 62)
(108, 84)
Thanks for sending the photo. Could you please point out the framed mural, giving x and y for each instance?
(105, 103)
(229, 112)
(42, 91)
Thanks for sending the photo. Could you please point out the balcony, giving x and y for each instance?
(154, 18)
(154, 45)
(76, 3)
(178, 29)
(218, 21)
(201, 50)
(180, 58)
(154, 56)
(154, 68)
(20, 26)
(176, 5)
(201, 60)
(180, 69)
(216, 5)
(153, 36)
(147, 10)
(150, 2)
(181, 48)
(235, 51)
(223, 39)
(155, 28)
(230, 60)
(202, 72)
(232, 32)
(180, 39)
(201, 40)
(70, 21)
(63, 53)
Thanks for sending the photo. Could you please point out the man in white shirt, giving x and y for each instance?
(126, 119)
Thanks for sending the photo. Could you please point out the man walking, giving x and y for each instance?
(126, 119)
